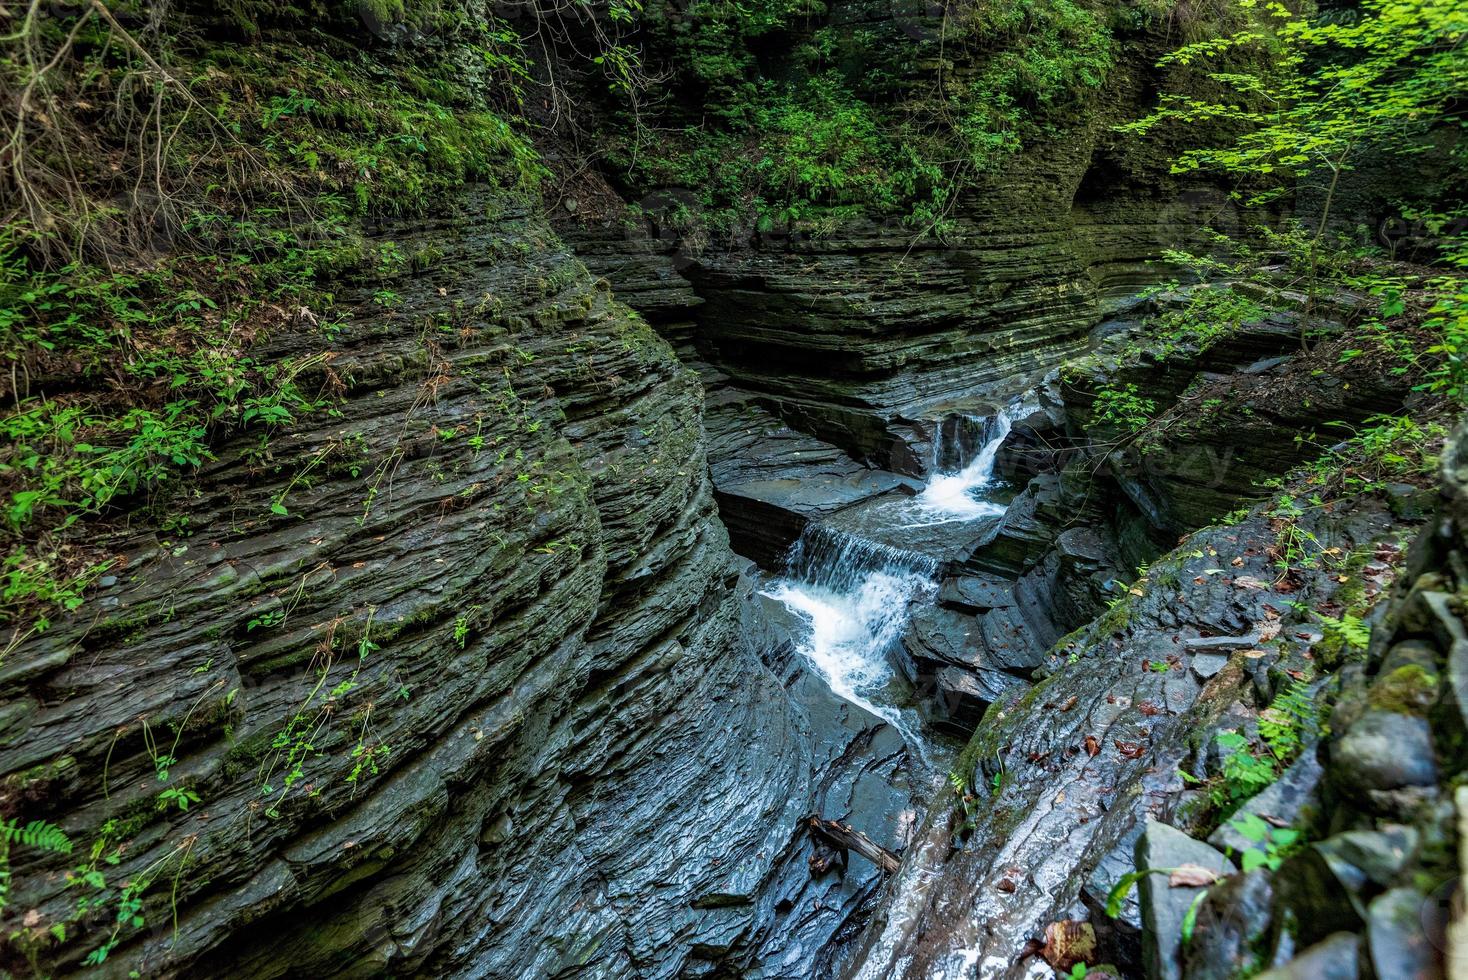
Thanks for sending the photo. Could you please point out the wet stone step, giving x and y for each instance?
(976, 593)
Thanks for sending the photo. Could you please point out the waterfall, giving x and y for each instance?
(954, 495)
(854, 595)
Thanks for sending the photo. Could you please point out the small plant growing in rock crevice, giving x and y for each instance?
(1123, 408)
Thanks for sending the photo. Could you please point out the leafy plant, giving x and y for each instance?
(1349, 630)
(1273, 844)
(176, 796)
(1290, 720)
(1306, 95)
(1244, 773)
(1124, 408)
(38, 835)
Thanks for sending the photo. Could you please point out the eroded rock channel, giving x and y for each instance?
(465, 537)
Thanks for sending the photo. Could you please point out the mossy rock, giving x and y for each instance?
(1408, 690)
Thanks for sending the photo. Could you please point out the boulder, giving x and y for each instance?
(1232, 926)
(1380, 855)
(1397, 939)
(1384, 750)
(1335, 958)
(1163, 906)
(976, 593)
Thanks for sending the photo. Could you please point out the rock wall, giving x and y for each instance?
(458, 675)
(865, 333)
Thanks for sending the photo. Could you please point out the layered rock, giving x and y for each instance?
(455, 676)
(1059, 777)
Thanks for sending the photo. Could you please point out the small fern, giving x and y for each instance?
(1353, 632)
(1288, 721)
(39, 835)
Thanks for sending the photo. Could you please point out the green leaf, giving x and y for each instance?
(1190, 920)
(1116, 898)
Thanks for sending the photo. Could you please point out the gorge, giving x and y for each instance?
(482, 478)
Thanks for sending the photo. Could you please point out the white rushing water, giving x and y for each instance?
(855, 594)
(958, 495)
(849, 634)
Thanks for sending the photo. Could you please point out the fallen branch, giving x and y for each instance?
(842, 838)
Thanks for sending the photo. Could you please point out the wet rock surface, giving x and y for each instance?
(1164, 906)
(1086, 756)
(584, 754)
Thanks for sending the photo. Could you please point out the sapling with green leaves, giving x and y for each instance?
(1309, 96)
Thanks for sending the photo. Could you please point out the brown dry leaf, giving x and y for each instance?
(1132, 750)
(1093, 747)
(1255, 654)
(1191, 876)
(1069, 942)
(1070, 702)
(1006, 886)
(1237, 563)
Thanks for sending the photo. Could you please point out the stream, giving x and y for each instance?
(854, 582)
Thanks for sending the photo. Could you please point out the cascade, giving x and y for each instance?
(955, 495)
(855, 593)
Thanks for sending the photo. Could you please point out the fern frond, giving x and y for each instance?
(38, 834)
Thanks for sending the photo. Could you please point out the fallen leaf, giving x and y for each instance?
(1255, 654)
(1006, 886)
(1093, 747)
(1237, 563)
(1250, 582)
(1070, 702)
(1191, 876)
(1069, 942)
(1148, 708)
(1267, 630)
(1131, 750)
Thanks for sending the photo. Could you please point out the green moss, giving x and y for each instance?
(1409, 690)
(1115, 620)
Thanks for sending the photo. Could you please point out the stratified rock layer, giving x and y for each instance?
(458, 672)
